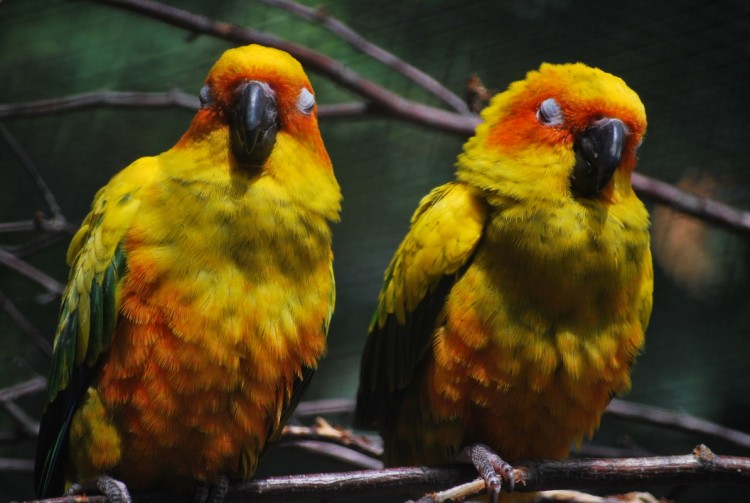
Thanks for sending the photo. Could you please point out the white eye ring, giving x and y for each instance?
(306, 101)
(550, 113)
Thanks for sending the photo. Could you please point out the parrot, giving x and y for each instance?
(514, 308)
(199, 297)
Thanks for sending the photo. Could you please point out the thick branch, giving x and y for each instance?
(701, 467)
(320, 15)
(382, 99)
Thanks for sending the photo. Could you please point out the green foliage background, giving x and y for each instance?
(689, 61)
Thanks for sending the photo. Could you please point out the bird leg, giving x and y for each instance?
(489, 465)
(212, 493)
(115, 490)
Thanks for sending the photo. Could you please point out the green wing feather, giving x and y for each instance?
(445, 230)
(88, 317)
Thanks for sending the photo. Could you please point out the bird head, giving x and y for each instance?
(256, 94)
(565, 131)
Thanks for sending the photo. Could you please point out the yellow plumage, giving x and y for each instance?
(516, 304)
(211, 265)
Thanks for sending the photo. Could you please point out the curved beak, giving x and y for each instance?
(254, 124)
(598, 153)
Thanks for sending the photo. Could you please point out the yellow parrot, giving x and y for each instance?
(200, 293)
(515, 306)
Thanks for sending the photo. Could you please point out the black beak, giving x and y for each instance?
(598, 153)
(254, 124)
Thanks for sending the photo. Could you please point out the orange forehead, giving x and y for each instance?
(282, 72)
(583, 93)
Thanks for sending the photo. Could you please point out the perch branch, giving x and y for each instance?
(321, 16)
(700, 467)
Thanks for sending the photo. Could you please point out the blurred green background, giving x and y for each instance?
(688, 60)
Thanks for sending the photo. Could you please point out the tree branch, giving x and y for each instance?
(700, 467)
(323, 431)
(25, 325)
(171, 98)
(134, 99)
(381, 99)
(16, 465)
(658, 416)
(645, 414)
(321, 16)
(697, 206)
(41, 185)
(29, 387)
(12, 262)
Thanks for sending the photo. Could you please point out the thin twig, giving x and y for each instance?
(42, 242)
(16, 465)
(322, 16)
(8, 437)
(324, 407)
(44, 224)
(697, 206)
(171, 98)
(351, 110)
(675, 421)
(25, 325)
(28, 424)
(333, 451)
(324, 432)
(134, 99)
(26, 162)
(28, 387)
(383, 100)
(12, 262)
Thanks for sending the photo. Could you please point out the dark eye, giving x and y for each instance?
(550, 113)
(205, 95)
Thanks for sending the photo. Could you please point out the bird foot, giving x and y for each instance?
(116, 491)
(491, 467)
(212, 493)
